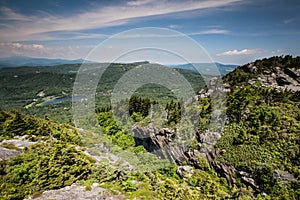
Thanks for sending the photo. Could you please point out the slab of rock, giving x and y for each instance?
(19, 143)
(280, 78)
(185, 171)
(284, 176)
(78, 192)
(6, 154)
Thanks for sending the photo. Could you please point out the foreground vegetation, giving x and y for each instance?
(55, 162)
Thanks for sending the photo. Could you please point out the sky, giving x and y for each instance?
(230, 31)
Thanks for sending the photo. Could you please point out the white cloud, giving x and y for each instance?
(288, 21)
(174, 26)
(139, 2)
(70, 35)
(34, 27)
(237, 52)
(211, 31)
(39, 50)
(16, 48)
(17, 45)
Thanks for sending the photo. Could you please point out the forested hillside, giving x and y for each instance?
(33, 90)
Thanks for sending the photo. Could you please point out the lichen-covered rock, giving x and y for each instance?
(78, 192)
(18, 142)
(6, 154)
(280, 78)
(185, 171)
(284, 176)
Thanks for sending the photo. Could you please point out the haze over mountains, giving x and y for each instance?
(18, 61)
(21, 61)
(204, 67)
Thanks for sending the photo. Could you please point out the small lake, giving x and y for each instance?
(61, 100)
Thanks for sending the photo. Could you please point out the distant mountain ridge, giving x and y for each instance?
(19, 61)
(204, 68)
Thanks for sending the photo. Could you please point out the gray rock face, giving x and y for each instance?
(18, 142)
(228, 171)
(185, 171)
(152, 138)
(159, 142)
(78, 192)
(283, 176)
(111, 158)
(6, 154)
(209, 138)
(279, 78)
(155, 139)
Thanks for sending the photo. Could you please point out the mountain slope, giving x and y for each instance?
(258, 153)
(262, 138)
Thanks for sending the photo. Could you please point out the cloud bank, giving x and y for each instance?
(237, 52)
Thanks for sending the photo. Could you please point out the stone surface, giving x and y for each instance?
(78, 192)
(6, 154)
(159, 142)
(283, 176)
(19, 143)
(280, 78)
(185, 171)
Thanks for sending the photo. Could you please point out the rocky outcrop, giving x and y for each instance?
(207, 139)
(6, 154)
(222, 169)
(229, 172)
(78, 192)
(284, 176)
(17, 143)
(152, 138)
(159, 142)
(293, 73)
(214, 85)
(185, 171)
(278, 77)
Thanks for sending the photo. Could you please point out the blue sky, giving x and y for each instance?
(231, 31)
